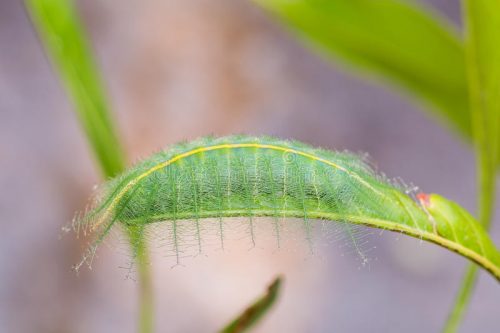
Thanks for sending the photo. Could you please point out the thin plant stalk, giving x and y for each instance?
(65, 42)
(486, 200)
(146, 297)
(485, 161)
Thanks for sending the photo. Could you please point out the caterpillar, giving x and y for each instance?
(252, 177)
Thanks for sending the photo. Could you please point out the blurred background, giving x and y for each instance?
(177, 70)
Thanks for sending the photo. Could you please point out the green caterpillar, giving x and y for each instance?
(241, 176)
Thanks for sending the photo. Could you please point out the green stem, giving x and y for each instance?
(462, 299)
(146, 300)
(61, 32)
(486, 164)
(486, 204)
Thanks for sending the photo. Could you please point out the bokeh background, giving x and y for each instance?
(177, 70)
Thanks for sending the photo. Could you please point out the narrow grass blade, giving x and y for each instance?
(483, 63)
(63, 36)
(254, 313)
(65, 42)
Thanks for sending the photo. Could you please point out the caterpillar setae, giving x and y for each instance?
(241, 176)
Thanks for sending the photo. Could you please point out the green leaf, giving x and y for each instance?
(393, 39)
(254, 313)
(240, 176)
(456, 224)
(64, 39)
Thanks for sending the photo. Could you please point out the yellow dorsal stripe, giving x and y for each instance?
(176, 158)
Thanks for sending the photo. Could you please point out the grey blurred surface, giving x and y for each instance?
(181, 69)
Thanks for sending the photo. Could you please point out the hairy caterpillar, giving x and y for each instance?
(240, 176)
